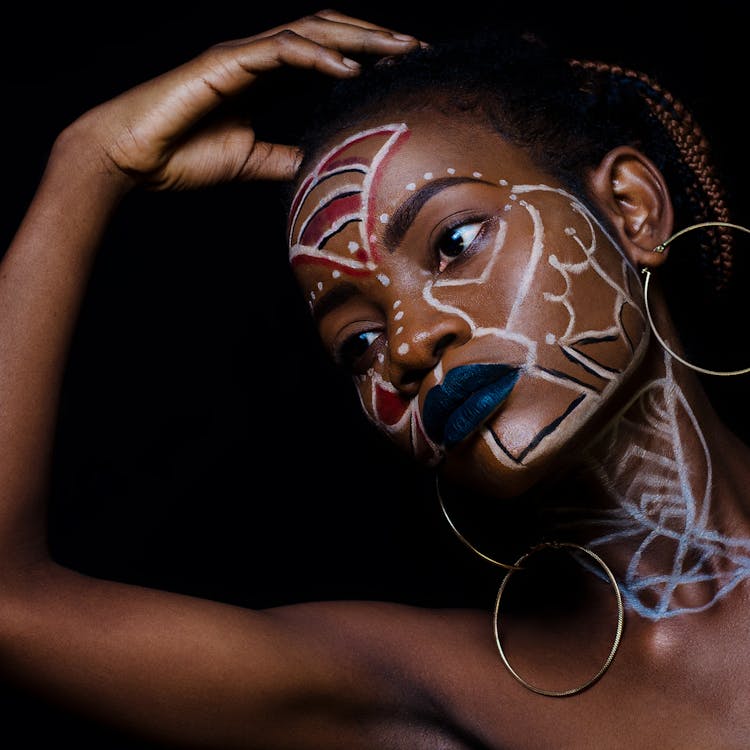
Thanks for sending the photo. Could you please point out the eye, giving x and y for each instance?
(455, 240)
(351, 352)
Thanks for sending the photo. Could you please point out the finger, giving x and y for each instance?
(315, 42)
(347, 33)
(327, 14)
(271, 161)
(323, 41)
(230, 70)
(223, 71)
(333, 15)
(330, 14)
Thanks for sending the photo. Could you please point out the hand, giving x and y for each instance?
(160, 133)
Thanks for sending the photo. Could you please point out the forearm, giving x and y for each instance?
(43, 278)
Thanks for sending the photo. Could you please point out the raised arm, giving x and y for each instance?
(187, 671)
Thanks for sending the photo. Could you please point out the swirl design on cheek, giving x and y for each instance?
(353, 179)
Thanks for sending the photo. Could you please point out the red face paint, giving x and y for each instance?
(337, 199)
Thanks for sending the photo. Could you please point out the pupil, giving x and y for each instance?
(355, 347)
(455, 244)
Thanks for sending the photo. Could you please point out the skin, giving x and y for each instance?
(533, 275)
(194, 673)
(539, 278)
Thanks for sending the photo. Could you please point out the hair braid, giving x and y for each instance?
(703, 191)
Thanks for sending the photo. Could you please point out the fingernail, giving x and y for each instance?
(403, 37)
(351, 64)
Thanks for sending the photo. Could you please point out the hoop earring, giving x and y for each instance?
(517, 566)
(618, 630)
(499, 564)
(647, 273)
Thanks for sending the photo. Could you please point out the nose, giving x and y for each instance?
(417, 345)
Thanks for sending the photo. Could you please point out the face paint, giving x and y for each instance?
(495, 319)
(342, 185)
(517, 274)
(586, 355)
(655, 462)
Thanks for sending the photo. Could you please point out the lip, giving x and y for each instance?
(465, 399)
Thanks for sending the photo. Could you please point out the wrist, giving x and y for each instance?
(78, 157)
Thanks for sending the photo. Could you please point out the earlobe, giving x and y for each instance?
(633, 195)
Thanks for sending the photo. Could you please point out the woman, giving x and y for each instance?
(483, 288)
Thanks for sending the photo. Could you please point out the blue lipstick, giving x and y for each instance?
(465, 399)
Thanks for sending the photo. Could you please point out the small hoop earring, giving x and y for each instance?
(647, 273)
(517, 566)
(618, 631)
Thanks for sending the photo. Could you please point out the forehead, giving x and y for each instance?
(348, 197)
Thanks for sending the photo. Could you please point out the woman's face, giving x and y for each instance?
(486, 317)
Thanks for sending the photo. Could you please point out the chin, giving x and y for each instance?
(477, 464)
(473, 465)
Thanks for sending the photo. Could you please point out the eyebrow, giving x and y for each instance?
(407, 212)
(333, 299)
(398, 225)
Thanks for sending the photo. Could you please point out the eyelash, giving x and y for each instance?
(350, 361)
(449, 232)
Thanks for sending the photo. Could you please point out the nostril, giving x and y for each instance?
(443, 343)
(413, 376)
(410, 367)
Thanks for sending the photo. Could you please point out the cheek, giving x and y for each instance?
(395, 416)
(383, 405)
(597, 322)
(559, 284)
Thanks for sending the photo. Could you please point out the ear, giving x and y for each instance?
(633, 196)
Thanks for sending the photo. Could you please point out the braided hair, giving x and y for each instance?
(566, 113)
(695, 174)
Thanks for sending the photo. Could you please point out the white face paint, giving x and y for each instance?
(655, 463)
(583, 360)
(537, 287)
(490, 264)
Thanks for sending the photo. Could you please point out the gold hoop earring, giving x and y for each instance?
(618, 631)
(491, 560)
(647, 273)
(518, 566)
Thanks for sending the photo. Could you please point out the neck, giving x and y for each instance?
(673, 522)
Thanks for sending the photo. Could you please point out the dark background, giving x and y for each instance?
(205, 445)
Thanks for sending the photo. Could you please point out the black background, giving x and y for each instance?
(205, 445)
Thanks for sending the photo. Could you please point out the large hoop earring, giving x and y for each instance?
(647, 273)
(506, 566)
(518, 566)
(618, 630)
